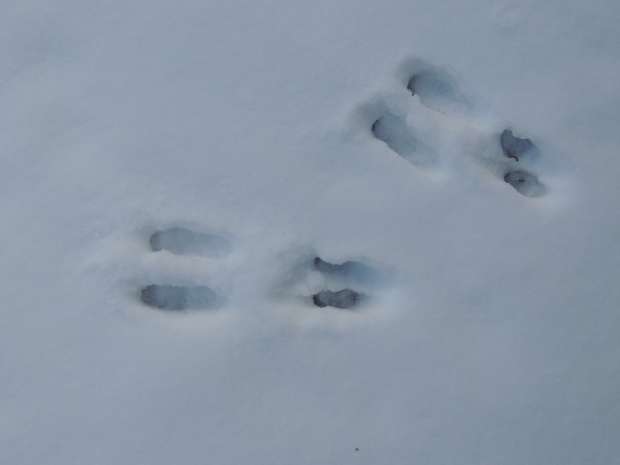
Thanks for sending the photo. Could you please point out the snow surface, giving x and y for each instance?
(492, 337)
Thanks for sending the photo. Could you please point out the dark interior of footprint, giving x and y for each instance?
(515, 147)
(334, 268)
(432, 85)
(394, 131)
(343, 299)
(525, 183)
(179, 298)
(427, 84)
(349, 270)
(183, 241)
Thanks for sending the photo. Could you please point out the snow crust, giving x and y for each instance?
(491, 332)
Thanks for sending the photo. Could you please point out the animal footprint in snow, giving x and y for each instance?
(183, 241)
(350, 272)
(436, 88)
(173, 297)
(346, 286)
(437, 93)
(447, 111)
(401, 139)
(525, 183)
(345, 299)
(516, 147)
(520, 150)
(170, 297)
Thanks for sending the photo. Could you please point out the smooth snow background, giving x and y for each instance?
(497, 345)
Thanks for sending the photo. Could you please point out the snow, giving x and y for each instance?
(491, 332)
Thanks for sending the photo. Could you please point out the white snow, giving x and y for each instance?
(494, 337)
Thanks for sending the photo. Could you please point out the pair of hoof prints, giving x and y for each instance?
(438, 92)
(181, 298)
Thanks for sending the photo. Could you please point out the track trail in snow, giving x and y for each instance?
(308, 279)
(440, 118)
(439, 115)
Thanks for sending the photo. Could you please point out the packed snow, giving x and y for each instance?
(303, 233)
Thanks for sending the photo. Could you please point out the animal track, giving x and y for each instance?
(525, 183)
(515, 147)
(168, 297)
(183, 241)
(344, 299)
(435, 88)
(437, 91)
(351, 285)
(521, 149)
(346, 286)
(398, 136)
(349, 272)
